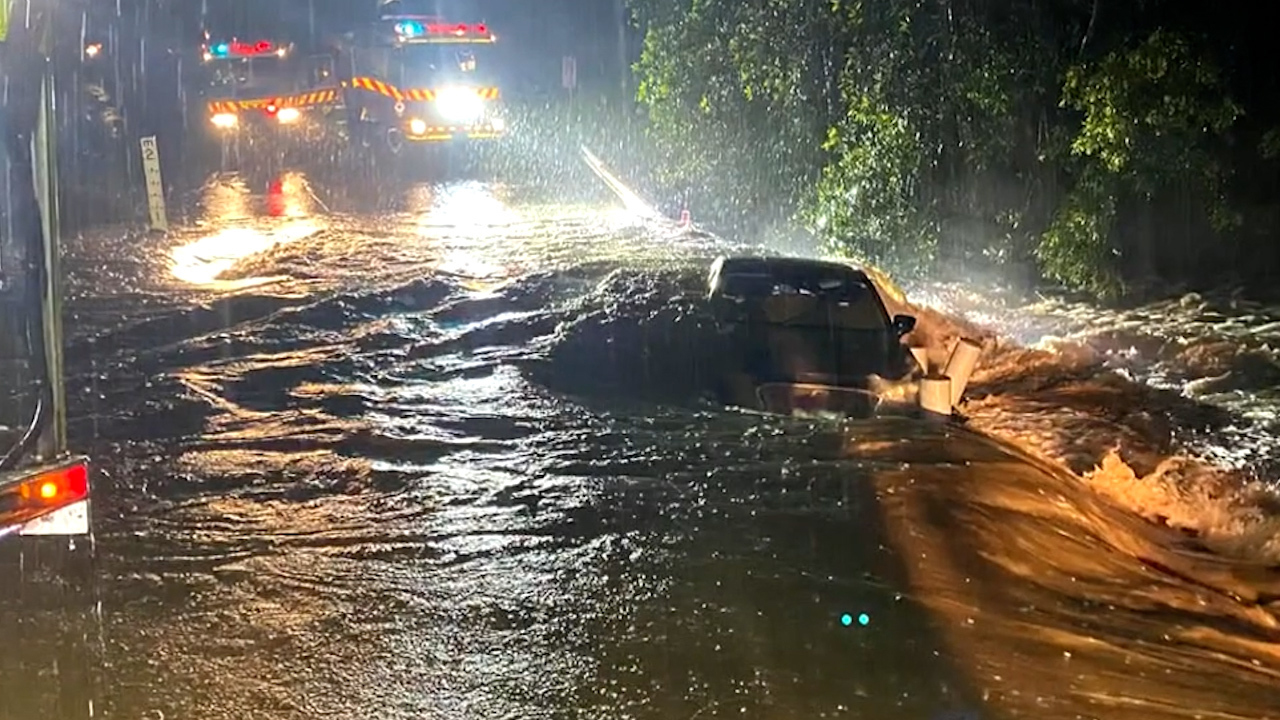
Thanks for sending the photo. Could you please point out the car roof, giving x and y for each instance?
(763, 264)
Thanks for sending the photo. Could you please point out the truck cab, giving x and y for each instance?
(423, 79)
(244, 83)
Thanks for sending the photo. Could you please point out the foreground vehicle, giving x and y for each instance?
(45, 520)
(804, 335)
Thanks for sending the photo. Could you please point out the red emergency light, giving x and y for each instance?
(459, 30)
(409, 26)
(236, 48)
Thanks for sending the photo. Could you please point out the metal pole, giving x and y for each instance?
(53, 442)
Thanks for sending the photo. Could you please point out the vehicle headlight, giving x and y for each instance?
(288, 115)
(225, 120)
(498, 124)
(417, 127)
(460, 104)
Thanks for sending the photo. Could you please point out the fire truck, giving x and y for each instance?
(423, 80)
(264, 86)
(402, 78)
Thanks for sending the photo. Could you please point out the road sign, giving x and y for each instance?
(569, 72)
(155, 186)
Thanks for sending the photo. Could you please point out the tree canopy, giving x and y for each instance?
(1094, 143)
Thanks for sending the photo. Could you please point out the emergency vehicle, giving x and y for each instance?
(421, 79)
(263, 84)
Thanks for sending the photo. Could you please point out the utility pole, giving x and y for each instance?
(53, 442)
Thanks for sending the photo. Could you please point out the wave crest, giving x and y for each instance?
(1133, 443)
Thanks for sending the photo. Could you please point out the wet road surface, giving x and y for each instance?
(355, 466)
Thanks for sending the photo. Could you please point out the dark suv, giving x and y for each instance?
(799, 332)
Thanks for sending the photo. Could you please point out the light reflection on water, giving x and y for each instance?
(228, 207)
(205, 260)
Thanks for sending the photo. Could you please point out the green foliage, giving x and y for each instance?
(736, 95)
(1270, 145)
(868, 202)
(1147, 110)
(910, 131)
(928, 102)
(1076, 248)
(1150, 118)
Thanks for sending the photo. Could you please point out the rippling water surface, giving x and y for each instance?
(416, 463)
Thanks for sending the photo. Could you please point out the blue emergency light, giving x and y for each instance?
(410, 28)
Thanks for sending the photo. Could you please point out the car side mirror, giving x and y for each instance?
(903, 324)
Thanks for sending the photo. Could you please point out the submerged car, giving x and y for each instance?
(804, 335)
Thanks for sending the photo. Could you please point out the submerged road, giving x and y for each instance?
(379, 455)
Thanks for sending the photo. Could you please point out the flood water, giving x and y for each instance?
(394, 454)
